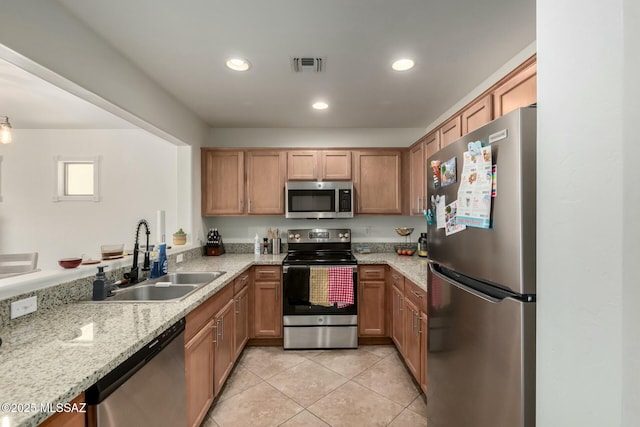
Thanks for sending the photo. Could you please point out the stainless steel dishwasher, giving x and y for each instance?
(147, 389)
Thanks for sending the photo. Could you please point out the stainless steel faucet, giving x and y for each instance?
(133, 274)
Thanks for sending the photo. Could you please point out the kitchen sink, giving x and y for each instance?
(189, 278)
(169, 287)
(153, 293)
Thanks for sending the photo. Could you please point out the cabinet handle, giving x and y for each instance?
(399, 303)
(222, 330)
(241, 205)
(416, 294)
(238, 306)
(249, 207)
(217, 328)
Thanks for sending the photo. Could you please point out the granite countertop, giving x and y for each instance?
(53, 357)
(413, 268)
(56, 355)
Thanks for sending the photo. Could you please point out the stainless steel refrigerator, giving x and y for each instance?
(482, 284)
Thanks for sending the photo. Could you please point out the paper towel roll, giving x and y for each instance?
(160, 236)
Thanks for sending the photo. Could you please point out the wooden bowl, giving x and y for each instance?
(69, 262)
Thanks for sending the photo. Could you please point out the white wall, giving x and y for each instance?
(139, 177)
(44, 34)
(315, 138)
(587, 215)
(631, 235)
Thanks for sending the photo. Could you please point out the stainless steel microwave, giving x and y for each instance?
(318, 199)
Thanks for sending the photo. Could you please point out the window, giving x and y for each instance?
(77, 179)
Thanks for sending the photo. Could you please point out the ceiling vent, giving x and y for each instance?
(307, 63)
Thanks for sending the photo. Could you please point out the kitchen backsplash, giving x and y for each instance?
(364, 229)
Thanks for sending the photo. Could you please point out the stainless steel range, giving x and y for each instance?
(319, 274)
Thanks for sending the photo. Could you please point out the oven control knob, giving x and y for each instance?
(297, 236)
(346, 235)
(291, 236)
(340, 235)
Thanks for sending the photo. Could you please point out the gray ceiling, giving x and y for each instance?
(183, 46)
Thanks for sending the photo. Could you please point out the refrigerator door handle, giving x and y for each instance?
(461, 285)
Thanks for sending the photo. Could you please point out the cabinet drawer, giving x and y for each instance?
(371, 272)
(205, 311)
(416, 294)
(398, 280)
(241, 282)
(264, 273)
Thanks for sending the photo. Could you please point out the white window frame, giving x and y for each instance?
(59, 178)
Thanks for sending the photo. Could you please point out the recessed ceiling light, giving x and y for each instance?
(403, 64)
(238, 64)
(320, 105)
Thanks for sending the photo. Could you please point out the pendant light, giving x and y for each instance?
(5, 130)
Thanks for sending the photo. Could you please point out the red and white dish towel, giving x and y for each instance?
(341, 286)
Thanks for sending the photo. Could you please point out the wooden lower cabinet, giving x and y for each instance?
(397, 321)
(267, 302)
(224, 349)
(242, 320)
(423, 352)
(214, 339)
(67, 419)
(199, 362)
(372, 299)
(409, 325)
(412, 337)
(371, 305)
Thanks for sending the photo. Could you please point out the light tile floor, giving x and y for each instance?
(369, 386)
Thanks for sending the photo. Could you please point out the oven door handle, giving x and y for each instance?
(285, 268)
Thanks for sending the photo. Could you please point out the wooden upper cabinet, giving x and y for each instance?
(266, 173)
(519, 91)
(432, 143)
(335, 165)
(302, 165)
(450, 131)
(222, 182)
(417, 161)
(477, 114)
(377, 181)
(319, 165)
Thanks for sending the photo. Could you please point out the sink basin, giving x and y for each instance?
(189, 278)
(170, 287)
(154, 293)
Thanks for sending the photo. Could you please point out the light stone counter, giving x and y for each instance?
(53, 357)
(413, 267)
